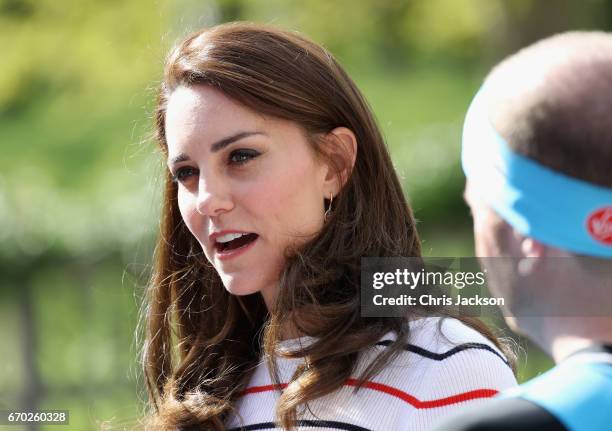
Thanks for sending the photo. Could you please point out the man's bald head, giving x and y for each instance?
(552, 102)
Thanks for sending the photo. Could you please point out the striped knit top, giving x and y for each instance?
(442, 369)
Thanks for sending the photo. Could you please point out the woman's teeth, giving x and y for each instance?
(229, 237)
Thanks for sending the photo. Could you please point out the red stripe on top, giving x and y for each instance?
(390, 390)
(430, 404)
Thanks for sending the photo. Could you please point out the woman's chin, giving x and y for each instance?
(242, 283)
(241, 291)
(240, 287)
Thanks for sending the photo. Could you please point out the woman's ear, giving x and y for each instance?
(340, 147)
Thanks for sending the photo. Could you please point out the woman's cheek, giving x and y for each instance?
(256, 198)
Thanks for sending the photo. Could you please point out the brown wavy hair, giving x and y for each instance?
(202, 343)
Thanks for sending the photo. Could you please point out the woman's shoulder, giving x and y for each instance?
(443, 365)
(451, 336)
(444, 357)
(439, 338)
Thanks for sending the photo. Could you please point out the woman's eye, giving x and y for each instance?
(240, 157)
(182, 174)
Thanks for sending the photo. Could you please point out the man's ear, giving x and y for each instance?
(531, 250)
(340, 147)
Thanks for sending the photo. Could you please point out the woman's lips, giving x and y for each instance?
(235, 252)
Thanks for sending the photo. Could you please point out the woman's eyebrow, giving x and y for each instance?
(217, 146)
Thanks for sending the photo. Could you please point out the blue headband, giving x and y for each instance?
(548, 206)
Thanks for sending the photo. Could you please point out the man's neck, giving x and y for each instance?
(564, 346)
(563, 337)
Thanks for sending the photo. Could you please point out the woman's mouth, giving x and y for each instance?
(233, 244)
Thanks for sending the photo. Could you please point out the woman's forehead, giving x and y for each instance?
(199, 102)
(203, 112)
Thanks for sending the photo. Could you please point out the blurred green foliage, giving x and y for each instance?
(79, 177)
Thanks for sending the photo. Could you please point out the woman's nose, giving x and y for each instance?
(213, 198)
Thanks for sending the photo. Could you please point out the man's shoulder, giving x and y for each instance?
(577, 392)
(571, 396)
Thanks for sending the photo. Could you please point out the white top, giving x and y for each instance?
(436, 375)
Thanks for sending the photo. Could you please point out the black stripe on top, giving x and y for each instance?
(334, 425)
(442, 356)
(508, 414)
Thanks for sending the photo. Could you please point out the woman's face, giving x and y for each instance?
(249, 186)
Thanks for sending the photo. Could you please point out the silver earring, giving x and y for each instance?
(328, 210)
